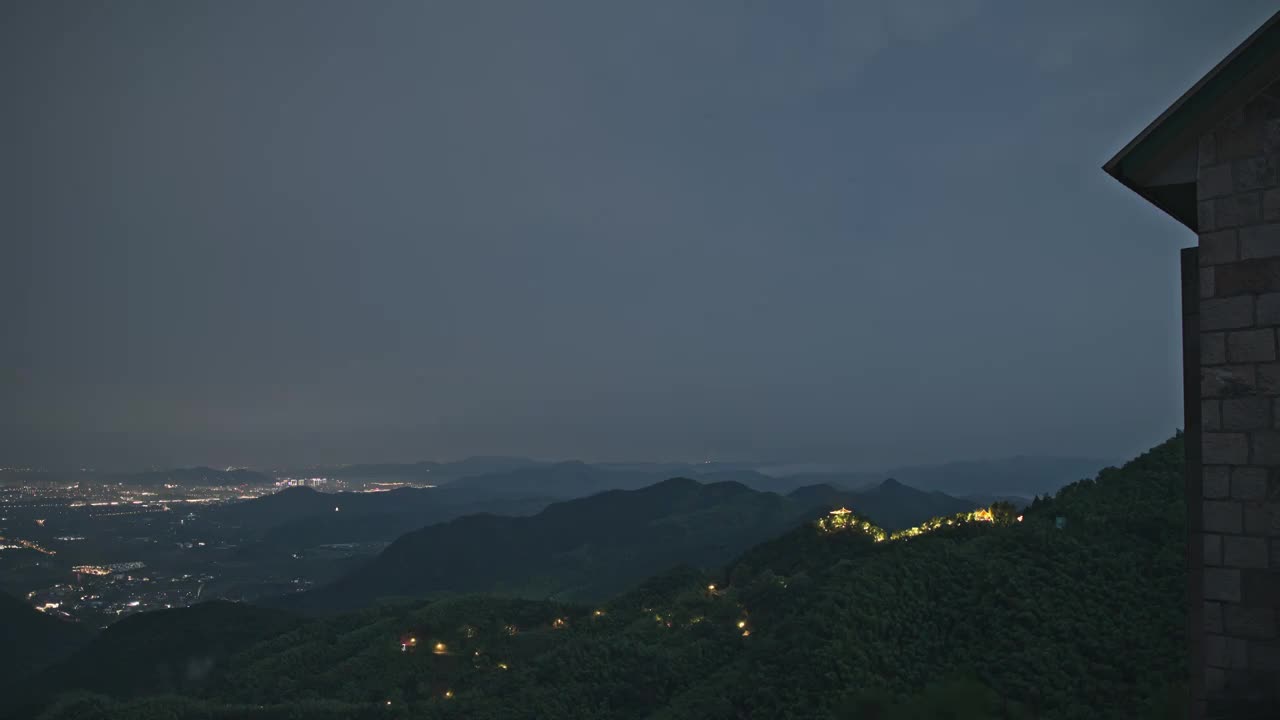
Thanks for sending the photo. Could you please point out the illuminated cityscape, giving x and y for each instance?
(81, 547)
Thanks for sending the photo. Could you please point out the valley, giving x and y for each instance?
(978, 610)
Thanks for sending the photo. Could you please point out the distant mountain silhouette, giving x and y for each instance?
(586, 548)
(302, 517)
(753, 479)
(591, 547)
(1022, 476)
(891, 504)
(419, 471)
(424, 471)
(278, 507)
(483, 464)
(387, 524)
(561, 480)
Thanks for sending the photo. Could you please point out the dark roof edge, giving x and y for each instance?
(1172, 123)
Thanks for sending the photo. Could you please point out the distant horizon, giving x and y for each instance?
(601, 443)
(780, 468)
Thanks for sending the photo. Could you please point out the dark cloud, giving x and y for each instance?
(875, 232)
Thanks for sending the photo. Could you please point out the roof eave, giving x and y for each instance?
(1231, 82)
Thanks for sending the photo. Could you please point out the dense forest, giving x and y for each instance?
(1073, 610)
(31, 639)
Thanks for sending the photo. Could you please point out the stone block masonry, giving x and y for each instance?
(1238, 194)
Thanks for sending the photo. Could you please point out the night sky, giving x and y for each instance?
(867, 232)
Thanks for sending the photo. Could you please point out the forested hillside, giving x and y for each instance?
(592, 548)
(985, 617)
(174, 650)
(584, 549)
(30, 640)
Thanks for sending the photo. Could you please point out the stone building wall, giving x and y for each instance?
(1238, 190)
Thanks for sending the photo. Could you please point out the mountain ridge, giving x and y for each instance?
(975, 621)
(591, 546)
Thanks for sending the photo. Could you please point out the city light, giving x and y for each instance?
(20, 544)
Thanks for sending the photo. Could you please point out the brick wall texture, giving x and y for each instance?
(1239, 231)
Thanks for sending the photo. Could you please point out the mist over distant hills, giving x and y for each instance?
(591, 547)
(1020, 476)
(423, 471)
(300, 517)
(751, 637)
